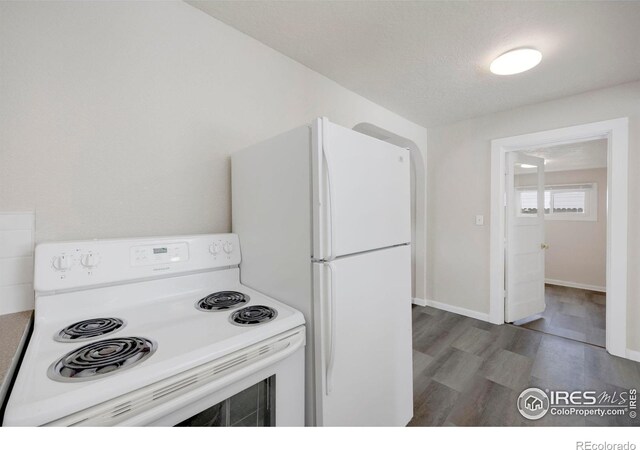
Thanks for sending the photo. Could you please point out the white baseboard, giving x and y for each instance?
(633, 355)
(454, 309)
(419, 301)
(571, 284)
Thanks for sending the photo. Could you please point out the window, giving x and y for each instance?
(561, 202)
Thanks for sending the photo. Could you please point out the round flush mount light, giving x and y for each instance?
(516, 61)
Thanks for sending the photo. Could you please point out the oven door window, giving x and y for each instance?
(253, 407)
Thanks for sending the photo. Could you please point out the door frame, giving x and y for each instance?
(616, 131)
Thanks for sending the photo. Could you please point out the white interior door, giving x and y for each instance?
(362, 192)
(362, 315)
(525, 237)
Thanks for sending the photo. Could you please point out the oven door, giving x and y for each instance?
(252, 407)
(271, 396)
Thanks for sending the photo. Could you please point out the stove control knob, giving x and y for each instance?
(62, 262)
(214, 248)
(89, 260)
(228, 247)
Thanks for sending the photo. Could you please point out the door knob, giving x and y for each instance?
(544, 246)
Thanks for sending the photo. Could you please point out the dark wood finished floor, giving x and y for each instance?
(470, 373)
(573, 313)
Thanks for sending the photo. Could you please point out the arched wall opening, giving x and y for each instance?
(418, 207)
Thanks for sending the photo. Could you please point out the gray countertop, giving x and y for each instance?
(14, 331)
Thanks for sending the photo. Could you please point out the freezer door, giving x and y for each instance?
(361, 192)
(362, 339)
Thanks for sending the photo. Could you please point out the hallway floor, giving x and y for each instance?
(572, 313)
(470, 373)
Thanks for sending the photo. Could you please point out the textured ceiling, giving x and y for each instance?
(583, 155)
(428, 61)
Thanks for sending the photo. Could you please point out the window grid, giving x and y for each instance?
(571, 201)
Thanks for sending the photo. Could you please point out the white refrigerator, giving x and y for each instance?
(323, 213)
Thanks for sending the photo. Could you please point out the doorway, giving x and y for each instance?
(615, 132)
(573, 243)
(418, 207)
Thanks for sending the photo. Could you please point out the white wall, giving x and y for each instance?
(117, 118)
(459, 188)
(577, 251)
(16, 261)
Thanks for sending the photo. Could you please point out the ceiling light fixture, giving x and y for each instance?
(531, 166)
(516, 61)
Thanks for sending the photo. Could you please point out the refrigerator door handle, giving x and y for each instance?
(332, 330)
(330, 198)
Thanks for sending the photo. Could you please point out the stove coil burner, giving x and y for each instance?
(253, 315)
(88, 329)
(101, 358)
(221, 301)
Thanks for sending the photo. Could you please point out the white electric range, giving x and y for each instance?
(156, 331)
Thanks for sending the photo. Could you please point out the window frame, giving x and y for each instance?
(591, 201)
